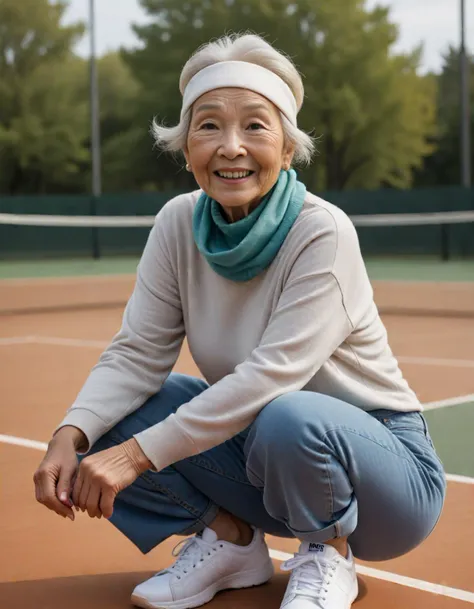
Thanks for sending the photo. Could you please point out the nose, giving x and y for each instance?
(231, 145)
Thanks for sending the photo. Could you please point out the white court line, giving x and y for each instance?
(16, 340)
(54, 340)
(43, 446)
(459, 479)
(402, 580)
(456, 401)
(394, 578)
(70, 342)
(23, 442)
(98, 344)
(80, 342)
(20, 281)
(435, 361)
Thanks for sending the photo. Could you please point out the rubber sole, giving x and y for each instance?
(246, 579)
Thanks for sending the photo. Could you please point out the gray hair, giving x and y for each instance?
(240, 47)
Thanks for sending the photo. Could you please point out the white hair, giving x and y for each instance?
(240, 47)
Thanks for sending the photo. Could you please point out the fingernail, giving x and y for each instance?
(63, 496)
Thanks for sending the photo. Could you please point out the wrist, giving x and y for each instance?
(73, 435)
(136, 456)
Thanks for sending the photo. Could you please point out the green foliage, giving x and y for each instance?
(373, 115)
(42, 122)
(121, 136)
(371, 110)
(444, 166)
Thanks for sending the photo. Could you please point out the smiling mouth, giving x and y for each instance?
(233, 175)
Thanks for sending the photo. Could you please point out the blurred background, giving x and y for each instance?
(389, 93)
(390, 96)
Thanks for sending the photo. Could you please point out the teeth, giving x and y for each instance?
(233, 174)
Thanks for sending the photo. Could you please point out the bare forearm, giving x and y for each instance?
(71, 434)
(136, 456)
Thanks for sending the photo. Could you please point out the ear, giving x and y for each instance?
(186, 156)
(287, 156)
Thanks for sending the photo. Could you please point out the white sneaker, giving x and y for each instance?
(204, 566)
(321, 579)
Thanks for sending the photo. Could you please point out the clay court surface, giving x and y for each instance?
(50, 563)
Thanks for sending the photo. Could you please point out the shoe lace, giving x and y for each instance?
(310, 575)
(189, 553)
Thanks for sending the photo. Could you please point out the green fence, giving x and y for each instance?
(18, 241)
(30, 241)
(445, 240)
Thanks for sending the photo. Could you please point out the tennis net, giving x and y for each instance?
(418, 262)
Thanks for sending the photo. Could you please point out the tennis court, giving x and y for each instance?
(52, 330)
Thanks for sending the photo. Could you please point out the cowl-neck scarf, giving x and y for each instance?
(241, 250)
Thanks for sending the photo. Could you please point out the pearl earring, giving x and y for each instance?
(188, 167)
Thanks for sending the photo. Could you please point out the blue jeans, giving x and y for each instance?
(310, 466)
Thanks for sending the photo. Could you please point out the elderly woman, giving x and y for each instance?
(304, 427)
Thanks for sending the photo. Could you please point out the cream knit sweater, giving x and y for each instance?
(308, 322)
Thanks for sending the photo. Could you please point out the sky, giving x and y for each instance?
(435, 23)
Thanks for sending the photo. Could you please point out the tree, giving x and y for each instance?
(372, 111)
(443, 167)
(119, 94)
(42, 120)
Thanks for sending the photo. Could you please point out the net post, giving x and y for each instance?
(95, 230)
(445, 253)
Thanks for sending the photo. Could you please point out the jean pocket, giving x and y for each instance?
(400, 421)
(412, 430)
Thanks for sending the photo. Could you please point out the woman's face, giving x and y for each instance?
(236, 148)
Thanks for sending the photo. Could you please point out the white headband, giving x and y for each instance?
(243, 75)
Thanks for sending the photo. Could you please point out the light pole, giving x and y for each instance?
(95, 128)
(466, 178)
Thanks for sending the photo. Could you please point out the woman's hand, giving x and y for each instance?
(103, 475)
(54, 477)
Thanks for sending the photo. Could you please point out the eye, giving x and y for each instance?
(255, 126)
(208, 126)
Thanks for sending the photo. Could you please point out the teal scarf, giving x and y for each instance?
(241, 250)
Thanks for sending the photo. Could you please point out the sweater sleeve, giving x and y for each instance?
(308, 324)
(143, 352)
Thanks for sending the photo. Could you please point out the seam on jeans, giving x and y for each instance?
(299, 532)
(200, 522)
(331, 494)
(211, 506)
(171, 495)
(411, 460)
(204, 465)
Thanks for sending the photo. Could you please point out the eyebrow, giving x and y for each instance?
(208, 106)
(205, 107)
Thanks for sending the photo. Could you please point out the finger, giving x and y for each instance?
(63, 489)
(76, 491)
(85, 490)
(93, 501)
(47, 484)
(107, 502)
(38, 493)
(71, 488)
